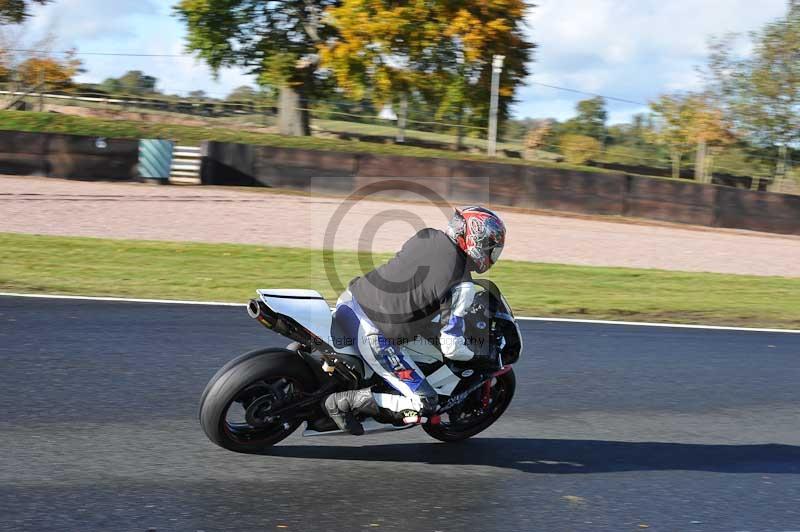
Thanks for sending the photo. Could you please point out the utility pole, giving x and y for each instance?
(41, 88)
(401, 119)
(497, 68)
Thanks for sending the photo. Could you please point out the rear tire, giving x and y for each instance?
(237, 376)
(506, 383)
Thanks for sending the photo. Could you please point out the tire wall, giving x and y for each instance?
(68, 156)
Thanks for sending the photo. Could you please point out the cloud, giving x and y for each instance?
(629, 49)
(75, 21)
(130, 26)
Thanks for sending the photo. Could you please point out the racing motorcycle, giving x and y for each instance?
(263, 396)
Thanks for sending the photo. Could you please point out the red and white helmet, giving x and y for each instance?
(480, 233)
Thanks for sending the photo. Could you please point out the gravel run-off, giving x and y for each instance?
(260, 216)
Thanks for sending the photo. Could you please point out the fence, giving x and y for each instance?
(352, 121)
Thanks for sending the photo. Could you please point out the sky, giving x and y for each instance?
(630, 49)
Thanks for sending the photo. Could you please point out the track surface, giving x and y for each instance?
(612, 428)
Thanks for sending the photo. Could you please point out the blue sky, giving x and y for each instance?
(632, 49)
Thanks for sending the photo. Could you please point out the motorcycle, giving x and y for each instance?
(263, 396)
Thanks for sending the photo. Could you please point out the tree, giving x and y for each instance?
(48, 72)
(442, 51)
(244, 93)
(198, 95)
(535, 138)
(137, 82)
(133, 82)
(670, 129)
(274, 39)
(16, 11)
(685, 121)
(590, 121)
(761, 92)
(578, 149)
(708, 130)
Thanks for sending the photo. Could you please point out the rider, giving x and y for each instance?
(394, 303)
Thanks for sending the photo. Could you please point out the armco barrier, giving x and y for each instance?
(514, 185)
(67, 156)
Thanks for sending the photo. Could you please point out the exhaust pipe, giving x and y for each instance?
(254, 309)
(258, 311)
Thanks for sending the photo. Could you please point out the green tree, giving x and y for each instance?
(578, 149)
(630, 134)
(761, 92)
(244, 93)
(133, 82)
(670, 129)
(590, 120)
(274, 39)
(16, 11)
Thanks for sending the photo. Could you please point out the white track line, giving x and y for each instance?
(125, 299)
(671, 325)
(522, 318)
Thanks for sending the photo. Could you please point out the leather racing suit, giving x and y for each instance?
(396, 302)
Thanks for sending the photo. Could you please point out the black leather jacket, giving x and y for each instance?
(430, 275)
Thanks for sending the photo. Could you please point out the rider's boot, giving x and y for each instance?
(343, 407)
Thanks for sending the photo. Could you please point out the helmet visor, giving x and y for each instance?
(495, 253)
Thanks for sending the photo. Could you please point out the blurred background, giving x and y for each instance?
(706, 92)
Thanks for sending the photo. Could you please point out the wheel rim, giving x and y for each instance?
(247, 418)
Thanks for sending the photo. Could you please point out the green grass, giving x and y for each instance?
(222, 272)
(58, 123)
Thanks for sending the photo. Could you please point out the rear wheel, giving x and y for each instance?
(477, 412)
(237, 405)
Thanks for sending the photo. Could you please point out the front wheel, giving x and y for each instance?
(236, 406)
(477, 412)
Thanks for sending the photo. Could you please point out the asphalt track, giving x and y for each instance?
(613, 428)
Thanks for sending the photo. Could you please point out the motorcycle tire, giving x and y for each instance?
(235, 377)
(446, 433)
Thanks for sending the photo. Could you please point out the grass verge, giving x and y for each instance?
(223, 272)
(75, 125)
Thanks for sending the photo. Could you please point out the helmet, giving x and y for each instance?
(480, 233)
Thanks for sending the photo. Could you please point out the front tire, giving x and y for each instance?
(245, 380)
(502, 393)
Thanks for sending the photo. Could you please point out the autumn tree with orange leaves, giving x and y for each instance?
(440, 51)
(48, 72)
(690, 121)
(377, 49)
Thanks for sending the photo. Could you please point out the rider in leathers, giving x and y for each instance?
(393, 304)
